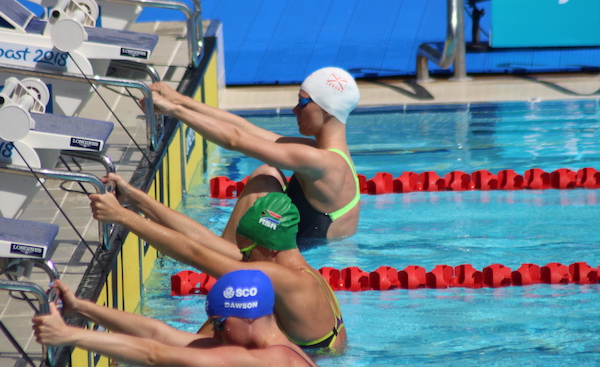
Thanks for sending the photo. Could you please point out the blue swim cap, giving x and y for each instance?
(246, 294)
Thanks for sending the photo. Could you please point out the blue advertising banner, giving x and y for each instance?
(545, 23)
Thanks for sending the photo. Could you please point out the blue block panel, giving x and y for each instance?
(27, 232)
(282, 41)
(545, 23)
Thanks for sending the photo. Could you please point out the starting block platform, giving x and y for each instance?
(26, 239)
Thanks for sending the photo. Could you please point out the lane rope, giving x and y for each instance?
(222, 187)
(354, 279)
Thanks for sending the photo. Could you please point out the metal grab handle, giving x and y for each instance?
(151, 123)
(44, 308)
(103, 228)
(193, 17)
(103, 159)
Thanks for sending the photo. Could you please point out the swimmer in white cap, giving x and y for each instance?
(324, 186)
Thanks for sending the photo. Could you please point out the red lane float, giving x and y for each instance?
(384, 183)
(354, 279)
(191, 282)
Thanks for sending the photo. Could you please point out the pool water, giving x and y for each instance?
(547, 325)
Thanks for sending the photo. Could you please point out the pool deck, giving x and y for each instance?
(71, 256)
(403, 91)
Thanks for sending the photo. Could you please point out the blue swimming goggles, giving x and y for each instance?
(302, 102)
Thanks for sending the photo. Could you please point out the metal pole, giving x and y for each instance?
(460, 68)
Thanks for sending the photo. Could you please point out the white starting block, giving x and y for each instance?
(69, 20)
(113, 14)
(37, 43)
(67, 42)
(26, 240)
(122, 14)
(23, 245)
(29, 137)
(17, 99)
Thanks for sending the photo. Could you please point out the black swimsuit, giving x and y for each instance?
(313, 223)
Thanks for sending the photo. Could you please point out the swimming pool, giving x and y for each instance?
(541, 324)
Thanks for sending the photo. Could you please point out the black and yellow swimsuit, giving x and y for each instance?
(313, 223)
(329, 339)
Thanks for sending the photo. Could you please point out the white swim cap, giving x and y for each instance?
(334, 90)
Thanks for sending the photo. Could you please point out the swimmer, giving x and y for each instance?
(324, 185)
(243, 336)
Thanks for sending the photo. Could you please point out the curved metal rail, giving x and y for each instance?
(46, 265)
(44, 300)
(137, 66)
(193, 17)
(103, 159)
(103, 229)
(454, 46)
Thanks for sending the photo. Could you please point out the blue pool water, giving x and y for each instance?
(540, 325)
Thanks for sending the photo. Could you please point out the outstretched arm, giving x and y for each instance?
(162, 214)
(121, 321)
(163, 95)
(106, 208)
(51, 330)
(295, 154)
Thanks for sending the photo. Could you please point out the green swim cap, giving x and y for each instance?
(272, 222)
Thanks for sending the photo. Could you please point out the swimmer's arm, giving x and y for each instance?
(155, 210)
(196, 254)
(164, 92)
(224, 355)
(199, 115)
(294, 154)
(132, 324)
(235, 120)
(150, 207)
(172, 243)
(170, 218)
(225, 135)
(132, 350)
(274, 150)
(107, 209)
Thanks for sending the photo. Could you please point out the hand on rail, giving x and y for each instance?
(117, 185)
(54, 297)
(51, 329)
(106, 208)
(66, 297)
(111, 186)
(164, 97)
(166, 92)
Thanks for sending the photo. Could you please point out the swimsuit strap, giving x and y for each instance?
(337, 312)
(328, 339)
(335, 308)
(338, 213)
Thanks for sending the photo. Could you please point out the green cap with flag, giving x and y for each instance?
(272, 222)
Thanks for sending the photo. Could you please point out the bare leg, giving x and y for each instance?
(263, 180)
